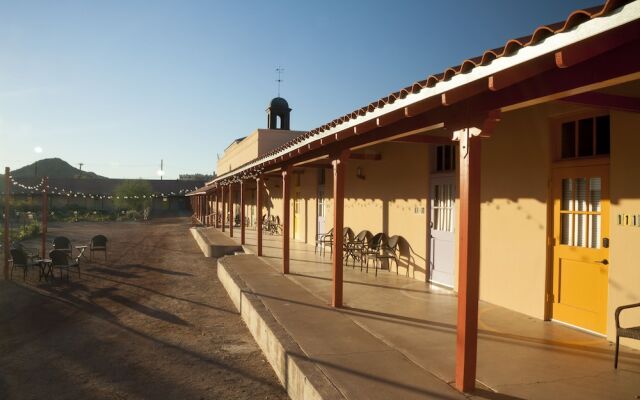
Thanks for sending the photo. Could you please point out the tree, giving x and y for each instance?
(133, 194)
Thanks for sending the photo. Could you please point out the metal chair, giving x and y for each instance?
(373, 248)
(19, 259)
(388, 252)
(323, 240)
(63, 261)
(63, 244)
(356, 246)
(98, 243)
(630, 332)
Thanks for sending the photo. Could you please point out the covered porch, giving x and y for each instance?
(395, 337)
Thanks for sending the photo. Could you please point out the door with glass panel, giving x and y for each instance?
(442, 226)
(581, 246)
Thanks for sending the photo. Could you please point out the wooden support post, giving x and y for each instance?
(259, 215)
(469, 260)
(339, 164)
(7, 204)
(286, 196)
(242, 216)
(45, 216)
(223, 214)
(216, 217)
(231, 219)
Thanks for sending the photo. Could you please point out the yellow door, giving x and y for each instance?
(581, 246)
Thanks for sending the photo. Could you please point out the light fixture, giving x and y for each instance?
(359, 173)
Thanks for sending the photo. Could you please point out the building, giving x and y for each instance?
(512, 177)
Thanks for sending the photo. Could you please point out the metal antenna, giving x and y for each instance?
(279, 70)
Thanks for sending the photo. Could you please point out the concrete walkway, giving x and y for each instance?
(395, 337)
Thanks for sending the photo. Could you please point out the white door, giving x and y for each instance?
(321, 211)
(442, 228)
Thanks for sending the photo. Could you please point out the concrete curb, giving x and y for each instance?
(212, 250)
(301, 378)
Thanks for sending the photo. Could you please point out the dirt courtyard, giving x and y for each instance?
(150, 322)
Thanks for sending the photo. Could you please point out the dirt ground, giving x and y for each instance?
(151, 322)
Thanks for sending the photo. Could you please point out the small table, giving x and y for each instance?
(81, 249)
(46, 268)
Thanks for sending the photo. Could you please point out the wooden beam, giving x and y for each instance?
(339, 161)
(469, 262)
(217, 213)
(365, 126)
(366, 156)
(463, 92)
(224, 210)
(45, 217)
(522, 72)
(7, 205)
(423, 139)
(259, 191)
(242, 216)
(390, 118)
(231, 217)
(604, 100)
(286, 212)
(422, 106)
(600, 44)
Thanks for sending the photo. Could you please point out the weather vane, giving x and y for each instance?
(279, 70)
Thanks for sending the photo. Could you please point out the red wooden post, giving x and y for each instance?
(242, 216)
(217, 212)
(7, 203)
(45, 217)
(259, 215)
(231, 219)
(339, 164)
(223, 215)
(286, 195)
(469, 261)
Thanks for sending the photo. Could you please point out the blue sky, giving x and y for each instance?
(119, 85)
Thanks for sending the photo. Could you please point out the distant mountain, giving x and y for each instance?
(53, 168)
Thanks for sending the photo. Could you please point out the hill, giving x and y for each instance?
(53, 168)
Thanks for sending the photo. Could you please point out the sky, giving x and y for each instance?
(121, 85)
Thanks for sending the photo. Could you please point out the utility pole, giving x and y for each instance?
(161, 168)
(45, 215)
(80, 164)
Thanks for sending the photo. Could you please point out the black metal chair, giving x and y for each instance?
(630, 332)
(323, 240)
(388, 252)
(373, 248)
(63, 244)
(20, 259)
(98, 243)
(64, 262)
(355, 248)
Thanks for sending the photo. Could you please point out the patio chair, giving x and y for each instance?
(374, 247)
(630, 332)
(388, 252)
(64, 262)
(20, 259)
(63, 244)
(323, 240)
(356, 246)
(31, 253)
(98, 243)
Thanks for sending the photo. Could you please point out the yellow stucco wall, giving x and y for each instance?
(624, 270)
(515, 169)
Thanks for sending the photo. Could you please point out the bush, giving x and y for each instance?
(133, 194)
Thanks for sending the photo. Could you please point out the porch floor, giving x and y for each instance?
(396, 336)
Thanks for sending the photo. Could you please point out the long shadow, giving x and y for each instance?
(151, 312)
(507, 338)
(160, 293)
(87, 307)
(427, 291)
(154, 269)
(113, 272)
(104, 368)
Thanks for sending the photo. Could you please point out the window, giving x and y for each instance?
(443, 207)
(586, 137)
(445, 158)
(321, 176)
(580, 213)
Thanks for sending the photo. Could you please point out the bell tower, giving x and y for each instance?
(278, 114)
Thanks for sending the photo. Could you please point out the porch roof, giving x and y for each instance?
(461, 82)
